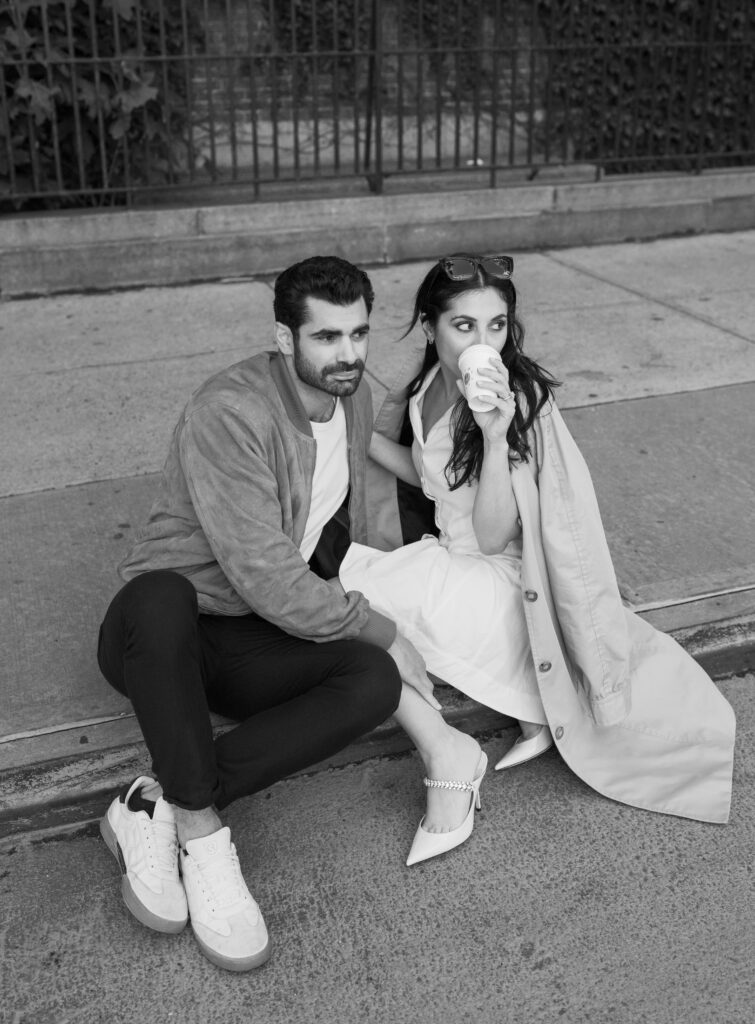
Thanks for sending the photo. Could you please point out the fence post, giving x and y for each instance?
(707, 55)
(374, 101)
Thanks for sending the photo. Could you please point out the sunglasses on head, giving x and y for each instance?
(464, 268)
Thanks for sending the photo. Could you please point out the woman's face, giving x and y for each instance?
(479, 316)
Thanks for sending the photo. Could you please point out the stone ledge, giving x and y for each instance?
(49, 253)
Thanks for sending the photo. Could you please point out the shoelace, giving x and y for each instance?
(222, 876)
(162, 845)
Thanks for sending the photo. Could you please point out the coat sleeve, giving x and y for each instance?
(234, 491)
(586, 596)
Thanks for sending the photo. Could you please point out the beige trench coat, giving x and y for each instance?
(632, 714)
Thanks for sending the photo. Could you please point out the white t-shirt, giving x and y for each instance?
(330, 483)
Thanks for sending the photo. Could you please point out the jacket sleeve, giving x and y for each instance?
(234, 491)
(384, 517)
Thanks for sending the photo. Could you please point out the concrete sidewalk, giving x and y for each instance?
(655, 343)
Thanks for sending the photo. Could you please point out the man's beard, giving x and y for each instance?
(323, 379)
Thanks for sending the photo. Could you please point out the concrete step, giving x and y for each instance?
(44, 254)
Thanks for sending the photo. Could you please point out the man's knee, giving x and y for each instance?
(378, 683)
(161, 599)
(156, 610)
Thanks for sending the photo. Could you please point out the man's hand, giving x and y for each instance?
(411, 666)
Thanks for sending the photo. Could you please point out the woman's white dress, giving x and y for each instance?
(461, 609)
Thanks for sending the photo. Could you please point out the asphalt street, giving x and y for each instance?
(562, 907)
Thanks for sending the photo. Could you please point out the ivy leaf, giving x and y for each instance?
(119, 126)
(20, 39)
(123, 8)
(88, 96)
(39, 97)
(135, 97)
(130, 68)
(51, 56)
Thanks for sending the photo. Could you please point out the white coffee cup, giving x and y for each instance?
(477, 388)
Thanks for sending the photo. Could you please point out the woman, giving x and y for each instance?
(520, 565)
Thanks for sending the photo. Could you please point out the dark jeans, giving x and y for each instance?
(297, 701)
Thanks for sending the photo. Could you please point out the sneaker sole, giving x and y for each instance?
(142, 914)
(247, 963)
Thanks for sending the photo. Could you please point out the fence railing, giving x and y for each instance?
(123, 101)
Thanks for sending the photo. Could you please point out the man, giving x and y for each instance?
(232, 605)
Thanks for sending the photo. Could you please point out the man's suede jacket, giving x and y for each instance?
(234, 500)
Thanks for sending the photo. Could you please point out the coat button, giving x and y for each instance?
(545, 666)
(559, 733)
(530, 595)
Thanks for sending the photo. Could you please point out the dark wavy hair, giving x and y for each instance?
(529, 381)
(320, 277)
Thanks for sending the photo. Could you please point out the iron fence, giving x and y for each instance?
(124, 101)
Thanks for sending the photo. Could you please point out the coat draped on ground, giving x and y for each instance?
(632, 714)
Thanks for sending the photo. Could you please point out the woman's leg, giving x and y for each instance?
(446, 753)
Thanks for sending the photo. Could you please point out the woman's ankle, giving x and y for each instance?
(455, 757)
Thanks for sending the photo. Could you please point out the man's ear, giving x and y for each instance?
(284, 338)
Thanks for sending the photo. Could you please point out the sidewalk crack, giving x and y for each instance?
(638, 293)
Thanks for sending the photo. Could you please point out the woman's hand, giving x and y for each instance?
(495, 423)
(412, 668)
(494, 514)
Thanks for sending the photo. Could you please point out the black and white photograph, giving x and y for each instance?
(377, 511)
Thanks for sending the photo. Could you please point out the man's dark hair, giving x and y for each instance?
(320, 277)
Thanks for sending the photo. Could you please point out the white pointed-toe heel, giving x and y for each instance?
(432, 844)
(524, 750)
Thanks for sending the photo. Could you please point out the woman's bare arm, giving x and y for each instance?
(494, 516)
(396, 458)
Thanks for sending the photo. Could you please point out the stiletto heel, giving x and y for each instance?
(432, 844)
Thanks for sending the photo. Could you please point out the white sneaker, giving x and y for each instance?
(226, 920)
(147, 851)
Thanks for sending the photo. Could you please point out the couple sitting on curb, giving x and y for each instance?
(252, 593)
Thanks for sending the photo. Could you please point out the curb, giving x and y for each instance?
(68, 793)
(60, 795)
